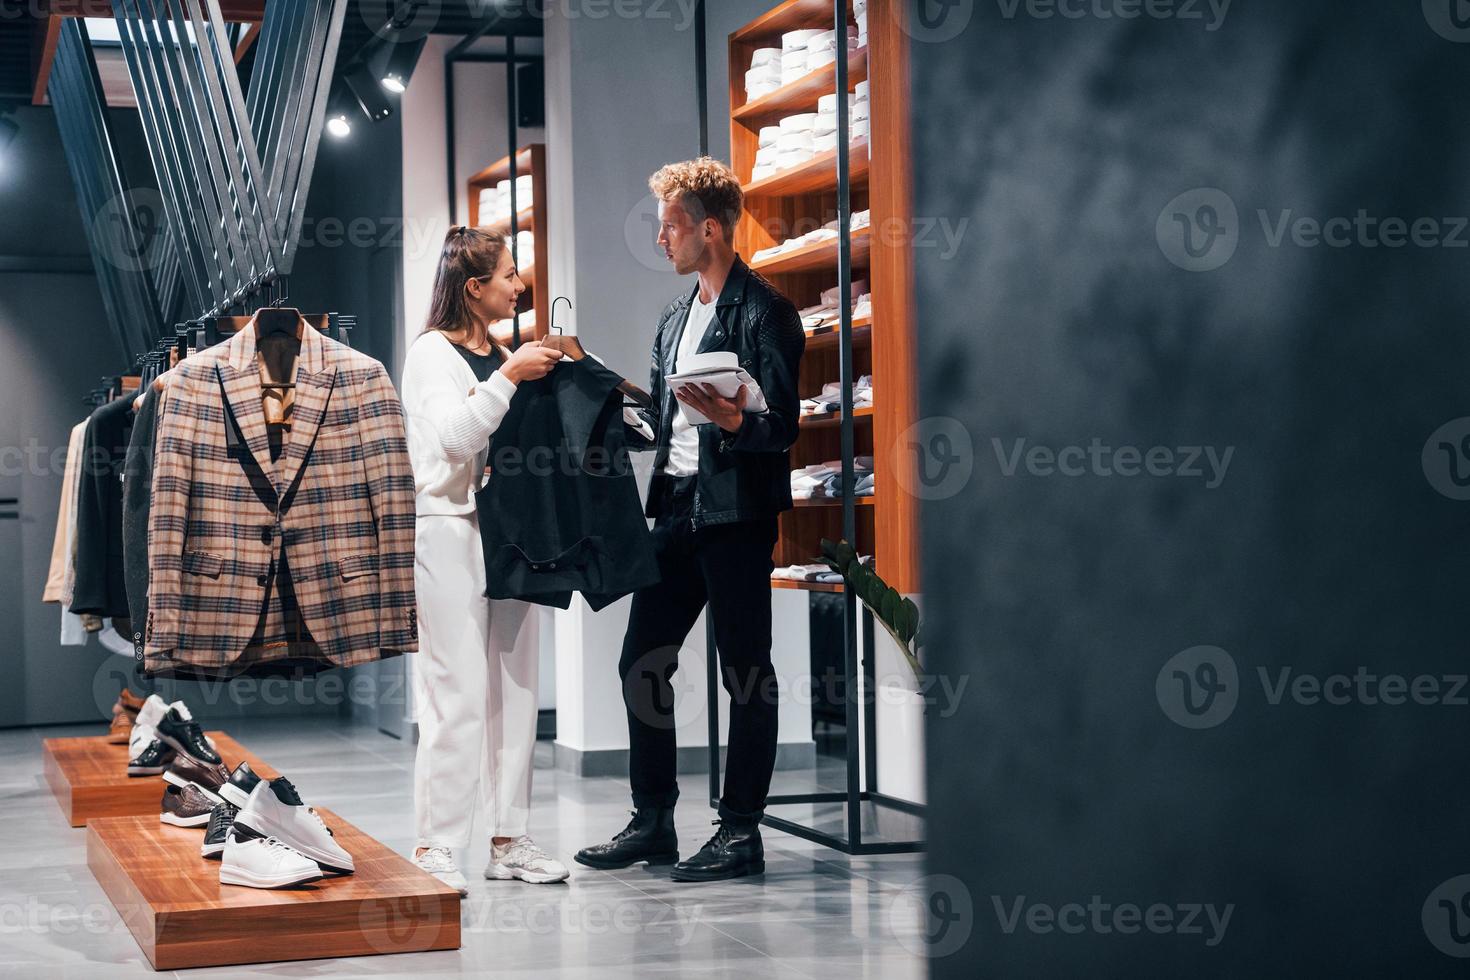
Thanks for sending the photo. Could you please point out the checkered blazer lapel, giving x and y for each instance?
(314, 382)
(239, 376)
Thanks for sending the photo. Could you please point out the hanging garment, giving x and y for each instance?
(60, 551)
(99, 587)
(560, 512)
(305, 560)
(137, 498)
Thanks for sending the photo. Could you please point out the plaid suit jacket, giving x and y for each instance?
(338, 505)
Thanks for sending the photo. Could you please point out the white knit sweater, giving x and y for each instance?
(451, 417)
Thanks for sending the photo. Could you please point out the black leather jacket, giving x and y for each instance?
(746, 475)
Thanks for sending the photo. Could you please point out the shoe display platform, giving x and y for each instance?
(173, 903)
(90, 778)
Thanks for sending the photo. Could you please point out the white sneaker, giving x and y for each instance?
(439, 862)
(522, 859)
(264, 862)
(151, 713)
(139, 738)
(274, 810)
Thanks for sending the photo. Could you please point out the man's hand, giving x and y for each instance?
(727, 413)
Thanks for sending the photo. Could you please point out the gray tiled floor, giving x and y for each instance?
(815, 912)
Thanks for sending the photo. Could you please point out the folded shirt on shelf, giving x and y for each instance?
(830, 400)
(824, 480)
(827, 232)
(813, 572)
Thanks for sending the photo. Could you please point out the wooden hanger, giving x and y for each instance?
(572, 348)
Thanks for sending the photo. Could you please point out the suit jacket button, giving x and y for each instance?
(263, 580)
(265, 535)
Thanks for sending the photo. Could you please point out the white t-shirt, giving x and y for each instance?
(684, 440)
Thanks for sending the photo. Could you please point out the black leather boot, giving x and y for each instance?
(733, 852)
(649, 837)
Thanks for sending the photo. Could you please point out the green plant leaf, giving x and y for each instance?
(829, 548)
(846, 552)
(909, 619)
(891, 604)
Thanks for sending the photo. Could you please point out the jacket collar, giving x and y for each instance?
(733, 292)
(240, 378)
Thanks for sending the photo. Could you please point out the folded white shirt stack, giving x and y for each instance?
(860, 14)
(528, 324)
(523, 250)
(721, 371)
(495, 201)
(764, 76)
(830, 400)
(795, 49)
(821, 480)
(821, 50)
(827, 232)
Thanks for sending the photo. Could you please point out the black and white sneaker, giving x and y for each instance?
(180, 731)
(152, 761)
(221, 821)
(241, 782)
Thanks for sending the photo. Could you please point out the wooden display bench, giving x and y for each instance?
(90, 778)
(173, 903)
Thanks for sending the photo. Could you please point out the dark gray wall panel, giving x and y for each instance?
(1059, 320)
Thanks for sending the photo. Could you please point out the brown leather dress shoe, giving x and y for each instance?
(122, 727)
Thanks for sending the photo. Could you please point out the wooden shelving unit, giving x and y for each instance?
(530, 216)
(883, 343)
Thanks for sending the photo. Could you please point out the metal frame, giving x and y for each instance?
(233, 172)
(854, 796)
(137, 300)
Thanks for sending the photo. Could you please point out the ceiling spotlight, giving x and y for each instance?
(396, 64)
(341, 109)
(368, 92)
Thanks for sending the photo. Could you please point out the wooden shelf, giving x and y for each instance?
(802, 94)
(817, 174)
(172, 901)
(500, 169)
(89, 776)
(789, 16)
(532, 217)
(525, 221)
(834, 419)
(862, 333)
(817, 255)
(786, 583)
(832, 502)
(804, 197)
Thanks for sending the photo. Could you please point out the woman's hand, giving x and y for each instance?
(530, 362)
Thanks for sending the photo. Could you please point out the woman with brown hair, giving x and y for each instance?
(475, 675)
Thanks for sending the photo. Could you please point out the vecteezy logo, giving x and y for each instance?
(1446, 459)
(934, 21)
(1446, 917)
(1198, 687)
(640, 234)
(934, 458)
(1199, 230)
(944, 911)
(130, 230)
(1450, 19)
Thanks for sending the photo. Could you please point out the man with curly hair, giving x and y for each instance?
(715, 496)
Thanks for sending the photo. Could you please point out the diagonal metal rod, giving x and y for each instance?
(166, 163)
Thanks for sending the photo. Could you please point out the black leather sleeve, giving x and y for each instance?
(636, 441)
(782, 342)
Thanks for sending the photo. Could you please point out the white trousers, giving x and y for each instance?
(475, 693)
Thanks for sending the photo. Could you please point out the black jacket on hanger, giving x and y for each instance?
(560, 512)
(99, 589)
(746, 475)
(137, 495)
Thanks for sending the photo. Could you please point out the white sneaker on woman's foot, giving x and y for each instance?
(439, 862)
(522, 859)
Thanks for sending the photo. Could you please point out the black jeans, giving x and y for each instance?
(729, 566)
